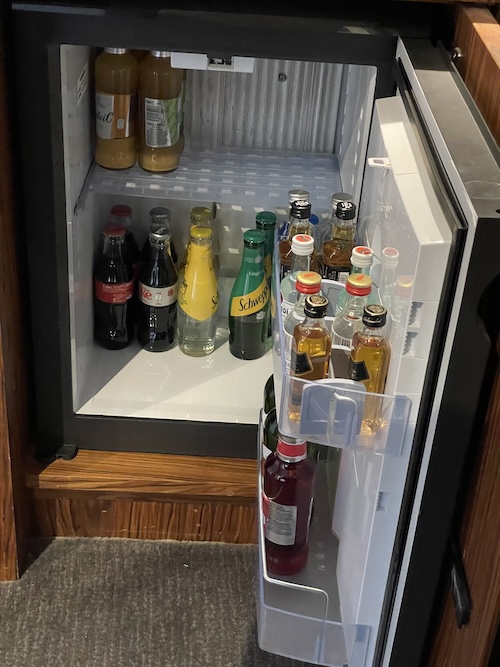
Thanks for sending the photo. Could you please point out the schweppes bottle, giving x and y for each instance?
(249, 302)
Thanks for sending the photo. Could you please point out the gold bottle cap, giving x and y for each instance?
(201, 214)
(201, 233)
(309, 278)
(404, 285)
(359, 280)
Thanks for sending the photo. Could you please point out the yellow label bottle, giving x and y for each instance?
(116, 74)
(198, 299)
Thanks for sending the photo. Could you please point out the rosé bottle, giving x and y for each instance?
(288, 495)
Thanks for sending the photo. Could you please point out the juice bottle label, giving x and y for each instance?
(117, 293)
(162, 121)
(115, 118)
(281, 524)
(158, 297)
(252, 302)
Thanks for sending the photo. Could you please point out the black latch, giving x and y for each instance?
(460, 591)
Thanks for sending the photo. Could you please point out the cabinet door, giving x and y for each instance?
(13, 408)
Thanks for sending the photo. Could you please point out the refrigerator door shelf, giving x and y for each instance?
(301, 617)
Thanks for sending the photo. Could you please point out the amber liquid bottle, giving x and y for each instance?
(338, 245)
(161, 113)
(288, 495)
(311, 346)
(369, 363)
(115, 106)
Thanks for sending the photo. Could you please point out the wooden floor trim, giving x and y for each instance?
(126, 475)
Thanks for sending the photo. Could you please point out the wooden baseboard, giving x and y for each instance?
(147, 496)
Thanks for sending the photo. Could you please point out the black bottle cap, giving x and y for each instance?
(374, 316)
(346, 210)
(301, 210)
(315, 305)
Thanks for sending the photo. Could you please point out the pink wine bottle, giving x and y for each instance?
(288, 496)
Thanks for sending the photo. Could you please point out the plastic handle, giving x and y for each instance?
(379, 162)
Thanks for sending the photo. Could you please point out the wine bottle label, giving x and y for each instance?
(113, 293)
(338, 273)
(158, 297)
(358, 370)
(162, 121)
(253, 302)
(115, 118)
(300, 363)
(281, 524)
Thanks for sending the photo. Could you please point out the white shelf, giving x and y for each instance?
(171, 385)
(247, 178)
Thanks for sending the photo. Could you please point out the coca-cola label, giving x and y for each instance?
(113, 293)
(158, 297)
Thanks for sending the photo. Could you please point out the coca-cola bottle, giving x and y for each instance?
(288, 495)
(158, 296)
(113, 292)
(121, 214)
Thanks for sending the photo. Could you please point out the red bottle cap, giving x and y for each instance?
(358, 284)
(308, 282)
(121, 211)
(114, 230)
(291, 449)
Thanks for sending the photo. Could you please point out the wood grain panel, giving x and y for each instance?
(147, 476)
(214, 522)
(477, 35)
(13, 388)
(471, 645)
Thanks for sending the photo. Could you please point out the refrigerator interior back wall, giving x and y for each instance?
(250, 137)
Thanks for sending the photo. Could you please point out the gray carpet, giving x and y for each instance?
(132, 603)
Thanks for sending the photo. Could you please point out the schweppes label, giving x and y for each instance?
(247, 304)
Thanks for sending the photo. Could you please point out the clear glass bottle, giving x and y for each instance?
(361, 262)
(369, 363)
(293, 195)
(116, 75)
(198, 299)
(299, 224)
(157, 327)
(311, 347)
(287, 501)
(249, 301)
(200, 216)
(308, 282)
(302, 250)
(113, 293)
(348, 321)
(338, 244)
(160, 112)
(389, 261)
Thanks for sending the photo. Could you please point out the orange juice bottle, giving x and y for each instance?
(160, 113)
(116, 76)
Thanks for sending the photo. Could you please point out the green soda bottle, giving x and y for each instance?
(249, 301)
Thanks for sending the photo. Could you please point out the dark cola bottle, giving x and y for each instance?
(158, 296)
(113, 292)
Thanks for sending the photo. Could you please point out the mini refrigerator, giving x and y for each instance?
(357, 100)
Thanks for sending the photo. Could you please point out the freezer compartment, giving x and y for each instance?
(250, 137)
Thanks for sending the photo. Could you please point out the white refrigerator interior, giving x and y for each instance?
(250, 137)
